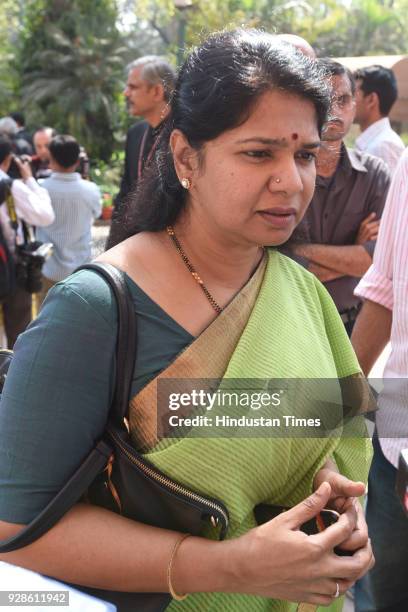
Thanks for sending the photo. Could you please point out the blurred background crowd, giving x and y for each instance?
(62, 61)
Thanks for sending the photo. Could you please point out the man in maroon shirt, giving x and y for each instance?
(343, 218)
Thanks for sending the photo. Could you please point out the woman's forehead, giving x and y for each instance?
(278, 116)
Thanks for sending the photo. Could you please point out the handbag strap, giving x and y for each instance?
(98, 457)
(126, 339)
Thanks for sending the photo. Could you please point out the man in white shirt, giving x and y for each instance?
(76, 204)
(33, 205)
(376, 92)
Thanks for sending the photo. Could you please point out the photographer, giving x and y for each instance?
(31, 204)
(20, 140)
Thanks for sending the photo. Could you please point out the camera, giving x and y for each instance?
(30, 260)
(14, 170)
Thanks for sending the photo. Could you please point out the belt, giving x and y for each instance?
(350, 315)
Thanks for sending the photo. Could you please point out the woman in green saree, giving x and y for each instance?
(234, 171)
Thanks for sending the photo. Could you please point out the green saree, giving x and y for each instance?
(282, 324)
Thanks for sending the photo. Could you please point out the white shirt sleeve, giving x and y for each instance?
(97, 202)
(377, 283)
(32, 202)
(389, 152)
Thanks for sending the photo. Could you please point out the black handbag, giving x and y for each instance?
(117, 477)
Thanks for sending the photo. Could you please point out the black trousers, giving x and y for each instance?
(349, 327)
(16, 314)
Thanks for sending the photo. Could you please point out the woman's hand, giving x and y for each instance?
(345, 492)
(342, 487)
(278, 560)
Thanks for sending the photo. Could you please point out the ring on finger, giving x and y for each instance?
(337, 593)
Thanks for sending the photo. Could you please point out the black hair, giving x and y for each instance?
(6, 147)
(218, 85)
(333, 68)
(379, 80)
(18, 118)
(65, 150)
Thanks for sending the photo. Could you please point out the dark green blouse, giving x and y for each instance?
(59, 387)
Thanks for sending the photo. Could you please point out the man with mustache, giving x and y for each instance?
(343, 218)
(150, 83)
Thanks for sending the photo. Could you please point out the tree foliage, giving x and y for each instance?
(71, 62)
(334, 27)
(9, 27)
(63, 60)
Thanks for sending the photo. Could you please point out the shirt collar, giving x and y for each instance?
(155, 131)
(354, 159)
(372, 132)
(66, 176)
(349, 161)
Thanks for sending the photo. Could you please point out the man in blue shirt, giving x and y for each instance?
(76, 204)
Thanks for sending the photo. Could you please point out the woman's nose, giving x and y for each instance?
(286, 178)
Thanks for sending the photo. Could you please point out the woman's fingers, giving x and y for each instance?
(354, 542)
(339, 532)
(307, 509)
(359, 537)
(353, 567)
(344, 487)
(366, 558)
(318, 600)
(312, 570)
(328, 587)
(324, 592)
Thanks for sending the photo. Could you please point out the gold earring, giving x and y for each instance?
(185, 182)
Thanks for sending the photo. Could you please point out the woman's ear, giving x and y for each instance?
(184, 156)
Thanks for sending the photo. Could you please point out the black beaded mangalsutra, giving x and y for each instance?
(192, 270)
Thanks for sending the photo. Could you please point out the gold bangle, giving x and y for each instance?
(169, 568)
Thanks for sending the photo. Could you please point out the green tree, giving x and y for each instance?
(9, 81)
(365, 27)
(334, 27)
(72, 60)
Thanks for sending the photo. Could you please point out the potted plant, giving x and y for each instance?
(107, 206)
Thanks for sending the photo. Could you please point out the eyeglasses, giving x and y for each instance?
(342, 100)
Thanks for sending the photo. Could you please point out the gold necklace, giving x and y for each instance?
(191, 269)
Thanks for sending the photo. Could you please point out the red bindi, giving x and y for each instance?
(295, 136)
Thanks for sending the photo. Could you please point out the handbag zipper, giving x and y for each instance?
(174, 486)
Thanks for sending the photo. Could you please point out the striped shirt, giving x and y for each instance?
(386, 283)
(76, 204)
